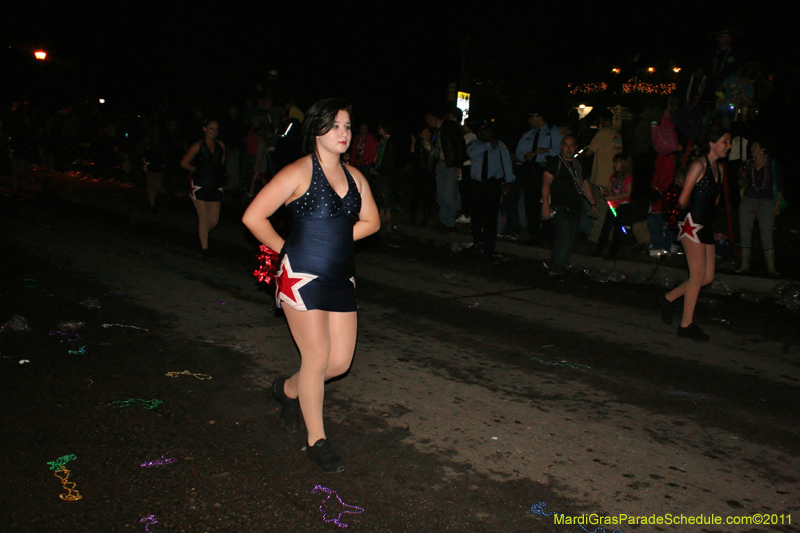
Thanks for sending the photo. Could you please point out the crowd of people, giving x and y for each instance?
(564, 178)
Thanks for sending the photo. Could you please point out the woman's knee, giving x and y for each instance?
(314, 365)
(337, 369)
(708, 279)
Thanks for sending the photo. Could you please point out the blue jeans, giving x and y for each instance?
(656, 225)
(447, 194)
(565, 229)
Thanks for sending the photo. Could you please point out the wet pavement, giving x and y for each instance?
(480, 387)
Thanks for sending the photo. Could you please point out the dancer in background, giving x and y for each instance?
(205, 159)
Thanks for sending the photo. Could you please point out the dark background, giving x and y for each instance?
(388, 58)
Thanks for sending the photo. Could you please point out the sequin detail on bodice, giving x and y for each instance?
(321, 200)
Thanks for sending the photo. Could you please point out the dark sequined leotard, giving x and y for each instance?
(209, 177)
(697, 225)
(316, 270)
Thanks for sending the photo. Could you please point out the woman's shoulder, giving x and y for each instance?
(358, 177)
(697, 164)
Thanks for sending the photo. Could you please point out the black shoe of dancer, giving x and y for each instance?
(666, 310)
(693, 332)
(322, 455)
(291, 417)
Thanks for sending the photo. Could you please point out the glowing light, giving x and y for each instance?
(102, 100)
(462, 102)
(584, 110)
(615, 70)
(676, 69)
(651, 69)
(41, 55)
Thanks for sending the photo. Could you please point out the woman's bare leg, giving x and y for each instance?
(207, 219)
(326, 342)
(154, 186)
(701, 261)
(343, 327)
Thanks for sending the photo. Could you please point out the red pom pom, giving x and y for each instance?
(267, 264)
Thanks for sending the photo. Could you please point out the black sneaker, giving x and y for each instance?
(291, 417)
(666, 310)
(693, 332)
(322, 455)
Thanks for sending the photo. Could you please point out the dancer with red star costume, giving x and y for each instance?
(332, 207)
(700, 195)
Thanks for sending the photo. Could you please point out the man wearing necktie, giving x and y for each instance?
(490, 171)
(535, 146)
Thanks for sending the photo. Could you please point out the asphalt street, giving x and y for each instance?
(484, 395)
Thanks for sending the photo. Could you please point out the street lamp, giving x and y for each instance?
(41, 55)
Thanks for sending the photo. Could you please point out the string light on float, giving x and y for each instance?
(587, 88)
(634, 85)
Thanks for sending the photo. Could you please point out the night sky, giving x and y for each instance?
(384, 58)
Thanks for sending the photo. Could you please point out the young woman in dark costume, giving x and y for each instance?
(205, 159)
(700, 195)
(332, 206)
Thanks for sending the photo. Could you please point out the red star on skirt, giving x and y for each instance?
(689, 229)
(289, 284)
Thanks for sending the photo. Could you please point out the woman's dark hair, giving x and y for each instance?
(714, 134)
(388, 127)
(319, 120)
(208, 121)
(763, 142)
